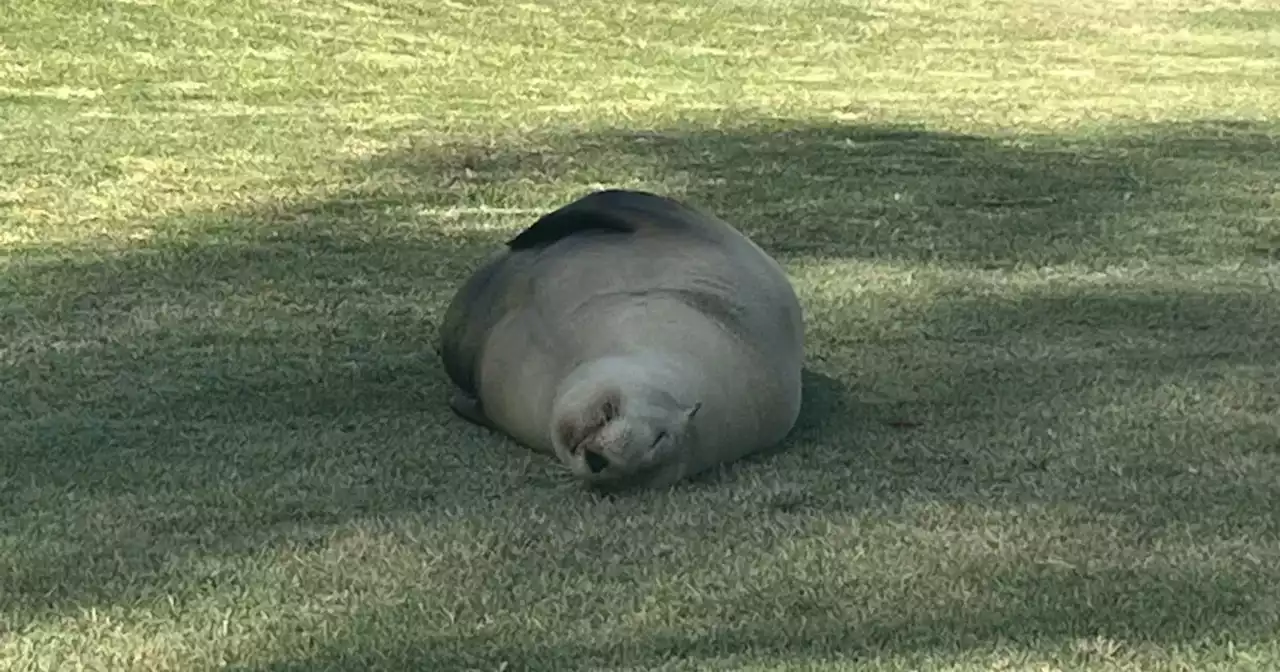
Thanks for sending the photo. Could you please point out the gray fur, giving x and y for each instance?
(628, 330)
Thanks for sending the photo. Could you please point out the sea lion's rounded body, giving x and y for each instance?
(668, 309)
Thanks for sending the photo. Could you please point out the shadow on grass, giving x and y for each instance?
(911, 195)
(1069, 615)
(257, 383)
(262, 377)
(1145, 402)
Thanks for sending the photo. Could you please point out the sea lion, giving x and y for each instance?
(635, 338)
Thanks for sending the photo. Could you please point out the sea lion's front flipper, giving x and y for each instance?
(617, 210)
(468, 407)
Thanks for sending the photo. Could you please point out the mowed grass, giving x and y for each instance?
(1037, 243)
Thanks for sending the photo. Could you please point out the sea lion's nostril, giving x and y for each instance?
(595, 461)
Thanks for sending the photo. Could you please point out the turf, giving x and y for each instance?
(1037, 245)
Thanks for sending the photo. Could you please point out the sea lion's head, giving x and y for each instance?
(616, 436)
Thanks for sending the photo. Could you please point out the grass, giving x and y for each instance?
(1037, 244)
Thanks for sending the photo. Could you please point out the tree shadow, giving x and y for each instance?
(260, 376)
(1072, 615)
(258, 381)
(1148, 403)
(904, 194)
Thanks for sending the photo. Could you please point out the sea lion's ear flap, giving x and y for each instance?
(692, 411)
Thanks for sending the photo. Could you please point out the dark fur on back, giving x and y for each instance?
(615, 210)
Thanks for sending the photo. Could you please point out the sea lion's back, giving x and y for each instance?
(626, 241)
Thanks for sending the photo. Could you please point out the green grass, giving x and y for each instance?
(1038, 244)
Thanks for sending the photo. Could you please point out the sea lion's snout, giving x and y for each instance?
(595, 461)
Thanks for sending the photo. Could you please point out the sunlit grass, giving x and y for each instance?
(1037, 244)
